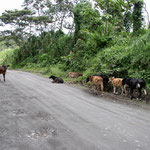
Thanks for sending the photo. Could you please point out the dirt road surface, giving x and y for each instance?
(36, 114)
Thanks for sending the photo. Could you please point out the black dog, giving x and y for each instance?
(56, 79)
(134, 83)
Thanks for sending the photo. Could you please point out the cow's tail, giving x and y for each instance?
(145, 91)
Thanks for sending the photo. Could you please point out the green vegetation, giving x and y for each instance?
(6, 56)
(109, 38)
(128, 58)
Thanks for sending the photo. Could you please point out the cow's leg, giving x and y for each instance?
(102, 88)
(97, 88)
(93, 87)
(140, 93)
(131, 93)
(122, 90)
(4, 76)
(76, 80)
(90, 84)
(71, 80)
(114, 90)
(125, 88)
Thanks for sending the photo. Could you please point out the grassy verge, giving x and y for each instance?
(45, 71)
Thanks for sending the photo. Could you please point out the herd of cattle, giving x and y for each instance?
(102, 81)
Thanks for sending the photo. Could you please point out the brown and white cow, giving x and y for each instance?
(116, 82)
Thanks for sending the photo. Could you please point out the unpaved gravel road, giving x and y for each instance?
(36, 114)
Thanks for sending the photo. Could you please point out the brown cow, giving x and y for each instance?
(97, 81)
(3, 70)
(116, 82)
(74, 75)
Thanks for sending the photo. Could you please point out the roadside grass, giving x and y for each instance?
(51, 70)
(45, 71)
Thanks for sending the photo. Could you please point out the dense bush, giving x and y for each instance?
(44, 49)
(126, 59)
